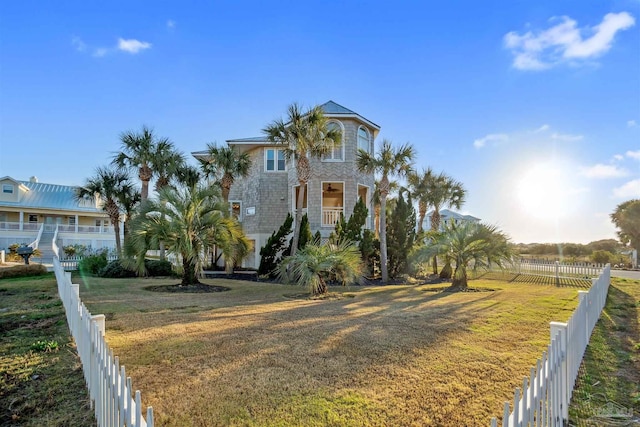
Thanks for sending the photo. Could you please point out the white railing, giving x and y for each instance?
(546, 393)
(36, 242)
(71, 263)
(63, 228)
(330, 216)
(109, 388)
(54, 245)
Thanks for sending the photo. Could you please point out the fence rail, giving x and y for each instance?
(71, 263)
(546, 393)
(109, 387)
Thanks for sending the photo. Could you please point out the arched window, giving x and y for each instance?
(364, 142)
(337, 153)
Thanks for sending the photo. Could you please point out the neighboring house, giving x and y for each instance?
(30, 208)
(262, 200)
(448, 217)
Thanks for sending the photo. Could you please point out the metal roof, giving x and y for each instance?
(50, 196)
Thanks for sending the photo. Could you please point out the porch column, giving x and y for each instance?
(76, 222)
(21, 219)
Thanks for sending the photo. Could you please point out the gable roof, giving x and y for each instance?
(447, 214)
(50, 196)
(333, 109)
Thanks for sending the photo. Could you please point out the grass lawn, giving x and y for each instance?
(377, 356)
(41, 381)
(610, 372)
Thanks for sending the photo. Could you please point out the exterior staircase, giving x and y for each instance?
(46, 248)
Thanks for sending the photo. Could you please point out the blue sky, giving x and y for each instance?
(534, 106)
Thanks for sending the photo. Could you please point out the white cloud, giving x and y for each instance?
(78, 44)
(542, 128)
(629, 190)
(632, 124)
(132, 46)
(171, 24)
(100, 52)
(633, 154)
(566, 137)
(494, 137)
(564, 42)
(618, 157)
(604, 171)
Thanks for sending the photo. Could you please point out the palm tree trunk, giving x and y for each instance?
(422, 211)
(435, 226)
(383, 238)
(322, 288)
(116, 229)
(459, 278)
(298, 219)
(145, 174)
(188, 273)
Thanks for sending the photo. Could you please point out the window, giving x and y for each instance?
(7, 188)
(33, 218)
(275, 160)
(337, 153)
(364, 140)
(236, 210)
(71, 220)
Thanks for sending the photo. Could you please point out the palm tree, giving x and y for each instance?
(128, 200)
(140, 151)
(441, 191)
(225, 164)
(387, 162)
(316, 263)
(167, 162)
(109, 186)
(468, 242)
(190, 221)
(303, 134)
(375, 199)
(419, 184)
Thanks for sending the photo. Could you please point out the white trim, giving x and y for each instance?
(369, 141)
(342, 144)
(353, 116)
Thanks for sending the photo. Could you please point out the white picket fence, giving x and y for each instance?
(546, 393)
(557, 269)
(109, 387)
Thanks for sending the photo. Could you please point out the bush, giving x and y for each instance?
(23, 271)
(602, 257)
(92, 264)
(115, 270)
(157, 267)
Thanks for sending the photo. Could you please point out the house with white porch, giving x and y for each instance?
(32, 211)
(447, 218)
(262, 200)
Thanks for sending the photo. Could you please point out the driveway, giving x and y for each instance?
(626, 274)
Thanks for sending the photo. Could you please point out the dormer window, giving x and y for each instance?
(7, 188)
(364, 140)
(337, 152)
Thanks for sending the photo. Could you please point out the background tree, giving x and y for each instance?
(128, 198)
(190, 220)
(225, 164)
(387, 162)
(272, 249)
(352, 229)
(443, 191)
(301, 135)
(401, 233)
(108, 185)
(469, 242)
(315, 264)
(626, 218)
(140, 151)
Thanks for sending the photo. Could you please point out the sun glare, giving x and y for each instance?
(544, 191)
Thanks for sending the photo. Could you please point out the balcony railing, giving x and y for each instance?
(330, 216)
(35, 226)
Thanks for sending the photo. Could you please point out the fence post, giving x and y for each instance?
(100, 322)
(559, 331)
(557, 267)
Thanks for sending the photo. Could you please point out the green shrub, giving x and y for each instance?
(157, 267)
(45, 346)
(23, 271)
(115, 270)
(92, 264)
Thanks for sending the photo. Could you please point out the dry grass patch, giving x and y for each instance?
(393, 355)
